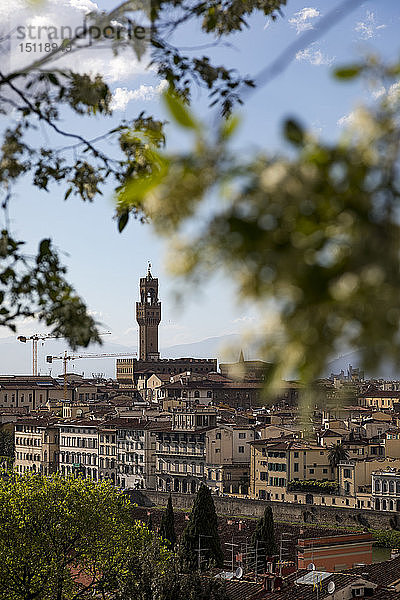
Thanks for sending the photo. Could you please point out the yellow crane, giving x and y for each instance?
(41, 336)
(66, 357)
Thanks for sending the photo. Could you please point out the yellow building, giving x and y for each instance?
(379, 399)
(275, 462)
(36, 446)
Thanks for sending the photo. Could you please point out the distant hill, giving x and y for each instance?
(16, 357)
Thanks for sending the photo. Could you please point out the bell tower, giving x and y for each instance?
(148, 316)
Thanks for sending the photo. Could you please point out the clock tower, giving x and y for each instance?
(148, 316)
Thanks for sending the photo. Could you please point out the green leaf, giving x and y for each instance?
(122, 221)
(53, 78)
(44, 247)
(229, 127)
(348, 72)
(179, 112)
(293, 132)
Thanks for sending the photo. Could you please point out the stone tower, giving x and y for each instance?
(148, 316)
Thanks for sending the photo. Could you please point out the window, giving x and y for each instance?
(263, 476)
(241, 449)
(296, 467)
(311, 471)
(296, 455)
(242, 436)
(325, 471)
(218, 436)
(347, 473)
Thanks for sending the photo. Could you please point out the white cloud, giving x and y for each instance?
(368, 28)
(35, 20)
(346, 120)
(301, 20)
(122, 96)
(314, 56)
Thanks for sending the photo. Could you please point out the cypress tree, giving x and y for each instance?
(201, 534)
(263, 538)
(150, 523)
(167, 527)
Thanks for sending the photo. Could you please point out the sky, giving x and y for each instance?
(105, 266)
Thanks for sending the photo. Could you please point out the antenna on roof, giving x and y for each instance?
(331, 587)
(311, 567)
(239, 573)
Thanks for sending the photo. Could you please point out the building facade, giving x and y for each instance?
(79, 448)
(181, 451)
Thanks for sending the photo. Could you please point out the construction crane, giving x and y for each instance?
(66, 357)
(41, 336)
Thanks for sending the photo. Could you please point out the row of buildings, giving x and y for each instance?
(172, 424)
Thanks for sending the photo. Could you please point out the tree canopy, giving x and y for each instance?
(263, 539)
(200, 546)
(167, 527)
(63, 538)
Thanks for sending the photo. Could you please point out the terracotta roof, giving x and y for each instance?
(300, 591)
(383, 573)
(244, 590)
(331, 433)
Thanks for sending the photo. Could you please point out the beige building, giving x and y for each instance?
(36, 446)
(228, 458)
(275, 463)
(181, 450)
(107, 445)
(379, 399)
(79, 448)
(28, 391)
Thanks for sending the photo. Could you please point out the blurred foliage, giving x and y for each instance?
(35, 100)
(312, 237)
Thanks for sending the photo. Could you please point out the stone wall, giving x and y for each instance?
(283, 511)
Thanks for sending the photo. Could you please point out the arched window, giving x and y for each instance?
(385, 486)
(197, 394)
(391, 487)
(383, 504)
(377, 485)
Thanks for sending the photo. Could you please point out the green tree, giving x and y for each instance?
(200, 545)
(150, 579)
(6, 444)
(263, 538)
(167, 527)
(71, 538)
(336, 454)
